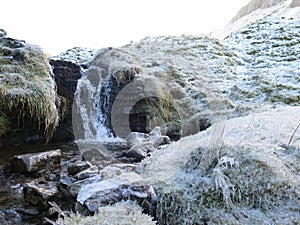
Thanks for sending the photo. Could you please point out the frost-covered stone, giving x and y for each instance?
(75, 187)
(36, 161)
(136, 138)
(123, 187)
(116, 169)
(157, 138)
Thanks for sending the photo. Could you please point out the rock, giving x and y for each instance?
(67, 181)
(8, 217)
(136, 153)
(89, 172)
(33, 162)
(3, 33)
(75, 187)
(136, 138)
(39, 193)
(66, 77)
(99, 156)
(157, 138)
(123, 187)
(76, 167)
(116, 169)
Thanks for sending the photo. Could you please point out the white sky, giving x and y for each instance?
(58, 25)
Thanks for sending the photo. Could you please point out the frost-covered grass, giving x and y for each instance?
(123, 213)
(27, 88)
(251, 177)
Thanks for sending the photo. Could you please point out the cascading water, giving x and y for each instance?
(91, 101)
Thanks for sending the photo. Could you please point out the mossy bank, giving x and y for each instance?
(27, 92)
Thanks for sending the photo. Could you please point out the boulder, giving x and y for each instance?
(89, 172)
(10, 216)
(33, 162)
(75, 187)
(136, 138)
(78, 166)
(123, 187)
(157, 138)
(39, 193)
(116, 169)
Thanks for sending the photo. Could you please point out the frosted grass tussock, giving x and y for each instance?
(126, 212)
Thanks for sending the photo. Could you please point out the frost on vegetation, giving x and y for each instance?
(27, 88)
(240, 186)
(270, 49)
(122, 213)
(77, 55)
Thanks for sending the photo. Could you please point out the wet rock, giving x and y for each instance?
(39, 193)
(75, 187)
(89, 172)
(9, 217)
(99, 157)
(116, 169)
(76, 167)
(33, 162)
(123, 187)
(136, 138)
(67, 181)
(157, 138)
(136, 153)
(2, 219)
(67, 68)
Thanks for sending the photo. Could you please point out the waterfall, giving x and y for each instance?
(90, 107)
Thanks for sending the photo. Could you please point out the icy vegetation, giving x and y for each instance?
(120, 213)
(249, 176)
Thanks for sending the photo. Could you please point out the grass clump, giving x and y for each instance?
(122, 213)
(238, 186)
(27, 88)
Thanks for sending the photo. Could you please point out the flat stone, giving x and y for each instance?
(123, 187)
(75, 187)
(33, 162)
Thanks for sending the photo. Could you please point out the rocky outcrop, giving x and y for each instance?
(68, 69)
(257, 10)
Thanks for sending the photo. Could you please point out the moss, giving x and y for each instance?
(27, 88)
